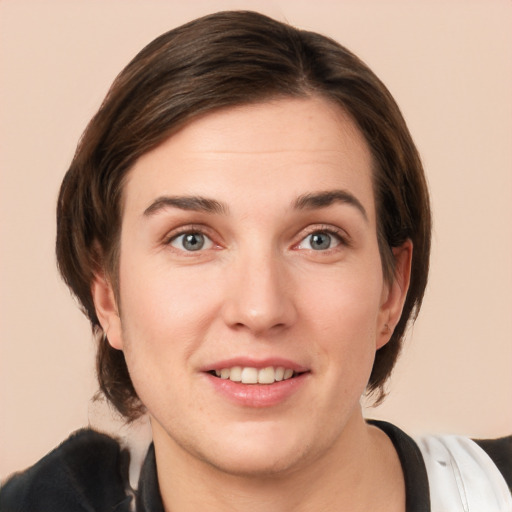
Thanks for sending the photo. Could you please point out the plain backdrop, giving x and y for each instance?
(447, 63)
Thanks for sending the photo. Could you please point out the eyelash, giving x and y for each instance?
(339, 235)
(189, 230)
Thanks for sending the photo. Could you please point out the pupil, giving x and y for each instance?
(320, 241)
(193, 241)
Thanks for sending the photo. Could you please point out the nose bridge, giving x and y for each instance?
(259, 296)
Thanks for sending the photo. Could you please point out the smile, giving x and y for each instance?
(249, 375)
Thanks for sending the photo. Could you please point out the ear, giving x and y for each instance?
(394, 293)
(106, 309)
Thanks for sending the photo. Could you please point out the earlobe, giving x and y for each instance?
(395, 293)
(106, 310)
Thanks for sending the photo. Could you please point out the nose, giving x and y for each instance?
(259, 297)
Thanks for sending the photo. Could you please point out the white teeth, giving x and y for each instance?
(236, 374)
(248, 375)
(266, 375)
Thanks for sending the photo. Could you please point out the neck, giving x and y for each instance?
(360, 472)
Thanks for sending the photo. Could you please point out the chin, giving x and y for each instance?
(257, 451)
(258, 463)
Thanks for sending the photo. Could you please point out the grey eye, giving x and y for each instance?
(320, 241)
(191, 242)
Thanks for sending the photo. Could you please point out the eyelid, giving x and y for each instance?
(340, 234)
(189, 228)
(207, 242)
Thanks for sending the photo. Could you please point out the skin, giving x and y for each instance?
(258, 289)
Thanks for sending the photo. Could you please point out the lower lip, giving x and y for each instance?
(257, 395)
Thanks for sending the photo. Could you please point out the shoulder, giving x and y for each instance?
(500, 451)
(88, 471)
(469, 473)
(454, 473)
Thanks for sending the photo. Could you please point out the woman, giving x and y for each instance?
(246, 224)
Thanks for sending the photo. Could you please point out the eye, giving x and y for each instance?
(320, 241)
(191, 241)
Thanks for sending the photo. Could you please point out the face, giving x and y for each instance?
(252, 298)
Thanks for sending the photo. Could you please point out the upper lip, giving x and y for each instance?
(249, 362)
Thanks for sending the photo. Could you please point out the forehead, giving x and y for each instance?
(280, 148)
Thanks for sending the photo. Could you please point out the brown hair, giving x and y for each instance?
(214, 62)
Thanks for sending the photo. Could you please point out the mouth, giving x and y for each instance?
(257, 384)
(251, 375)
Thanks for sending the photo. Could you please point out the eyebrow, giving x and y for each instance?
(194, 203)
(310, 201)
(327, 198)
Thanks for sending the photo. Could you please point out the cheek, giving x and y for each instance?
(349, 298)
(165, 311)
(165, 319)
(344, 315)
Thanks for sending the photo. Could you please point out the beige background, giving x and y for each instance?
(449, 66)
